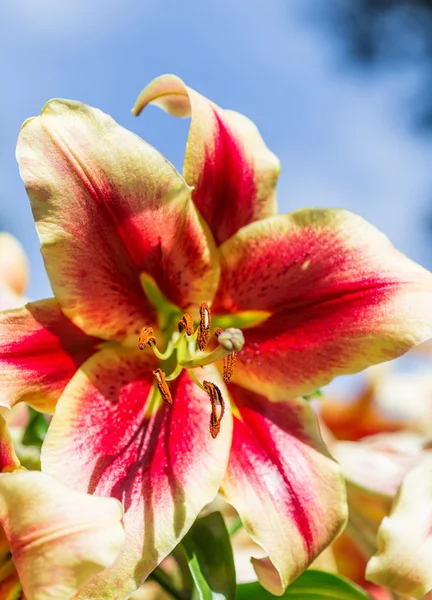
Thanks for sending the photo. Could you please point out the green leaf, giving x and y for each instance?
(36, 429)
(210, 559)
(312, 585)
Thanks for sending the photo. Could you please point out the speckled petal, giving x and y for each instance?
(341, 298)
(109, 207)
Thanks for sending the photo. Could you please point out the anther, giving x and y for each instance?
(147, 336)
(160, 379)
(216, 400)
(204, 326)
(217, 331)
(228, 367)
(186, 324)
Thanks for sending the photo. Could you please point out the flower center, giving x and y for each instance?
(188, 345)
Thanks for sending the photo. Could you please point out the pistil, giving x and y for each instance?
(231, 340)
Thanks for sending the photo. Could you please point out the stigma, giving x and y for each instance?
(188, 345)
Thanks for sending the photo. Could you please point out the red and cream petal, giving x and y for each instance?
(281, 480)
(110, 438)
(341, 298)
(403, 561)
(59, 538)
(233, 172)
(108, 207)
(40, 350)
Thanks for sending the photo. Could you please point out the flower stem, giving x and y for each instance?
(163, 580)
(235, 526)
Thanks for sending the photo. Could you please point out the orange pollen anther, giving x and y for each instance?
(216, 400)
(204, 326)
(229, 361)
(160, 379)
(147, 336)
(186, 324)
(228, 367)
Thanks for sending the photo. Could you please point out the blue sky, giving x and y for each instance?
(340, 134)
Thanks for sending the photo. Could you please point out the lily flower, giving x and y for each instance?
(140, 257)
(52, 539)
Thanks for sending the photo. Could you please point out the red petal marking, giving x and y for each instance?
(108, 207)
(226, 186)
(262, 432)
(342, 299)
(233, 172)
(283, 484)
(159, 461)
(301, 349)
(40, 351)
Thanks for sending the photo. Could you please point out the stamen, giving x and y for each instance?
(228, 367)
(186, 324)
(146, 337)
(217, 331)
(160, 379)
(204, 326)
(216, 400)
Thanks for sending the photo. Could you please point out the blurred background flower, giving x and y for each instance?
(13, 272)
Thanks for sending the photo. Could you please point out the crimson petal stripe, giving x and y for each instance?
(282, 481)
